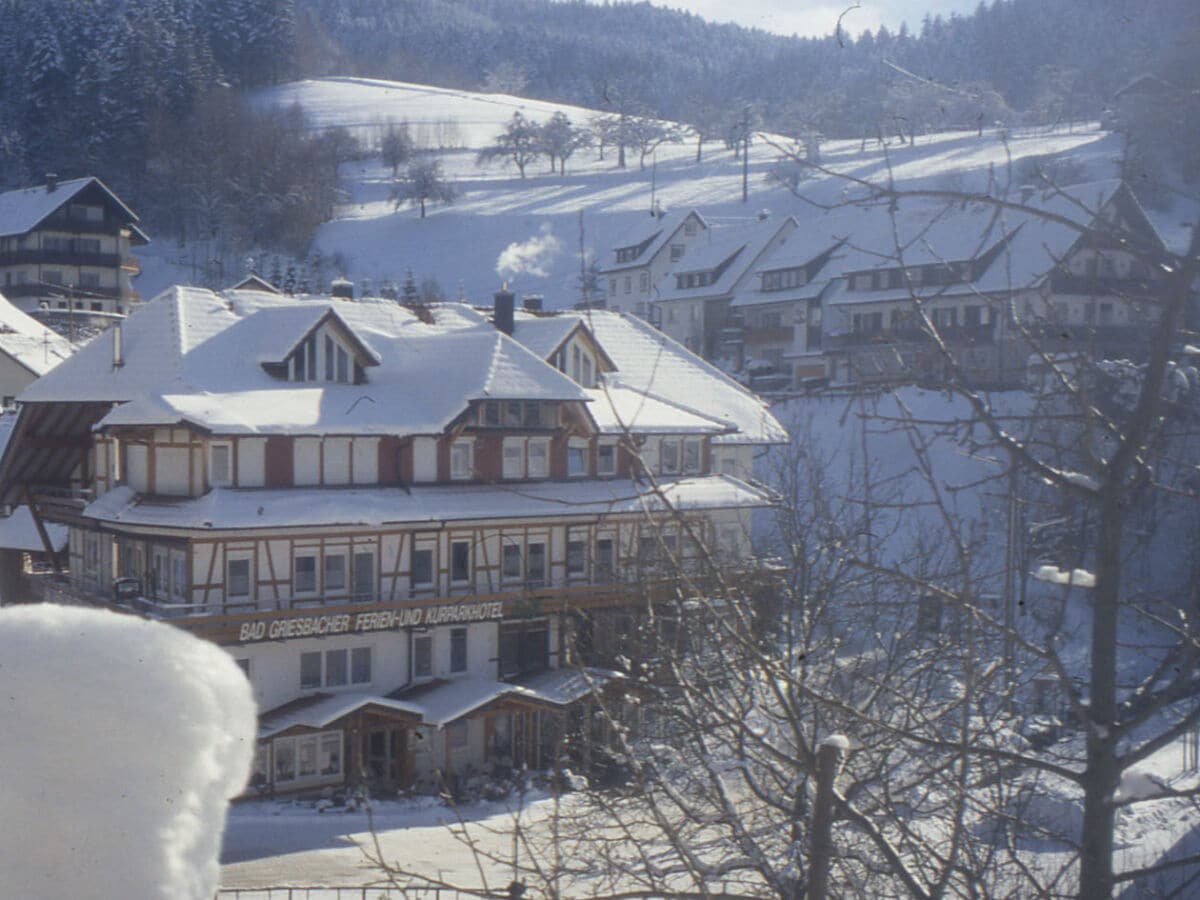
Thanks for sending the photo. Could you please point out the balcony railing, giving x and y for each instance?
(80, 295)
(61, 257)
(951, 334)
(770, 334)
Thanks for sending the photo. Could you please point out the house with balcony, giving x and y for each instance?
(66, 249)
(423, 533)
(645, 255)
(775, 319)
(693, 304)
(928, 289)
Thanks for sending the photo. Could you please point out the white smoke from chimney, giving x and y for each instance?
(531, 257)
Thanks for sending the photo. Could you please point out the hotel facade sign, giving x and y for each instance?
(361, 623)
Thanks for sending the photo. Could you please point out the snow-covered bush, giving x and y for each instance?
(123, 740)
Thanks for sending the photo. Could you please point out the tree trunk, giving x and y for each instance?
(699, 144)
(1102, 773)
(620, 156)
(422, 207)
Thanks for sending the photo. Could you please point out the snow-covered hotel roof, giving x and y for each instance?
(217, 361)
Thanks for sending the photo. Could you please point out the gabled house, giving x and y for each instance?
(66, 247)
(692, 306)
(995, 283)
(644, 257)
(774, 327)
(421, 536)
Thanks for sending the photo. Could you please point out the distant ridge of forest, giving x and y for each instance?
(113, 87)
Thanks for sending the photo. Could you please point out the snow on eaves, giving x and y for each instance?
(193, 356)
(29, 342)
(225, 508)
(650, 362)
(21, 210)
(617, 410)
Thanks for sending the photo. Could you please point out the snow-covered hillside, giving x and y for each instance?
(527, 231)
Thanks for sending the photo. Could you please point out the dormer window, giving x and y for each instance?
(329, 352)
(783, 279)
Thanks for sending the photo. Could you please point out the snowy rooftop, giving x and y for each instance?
(195, 356)
(737, 247)
(18, 531)
(374, 506)
(650, 362)
(21, 210)
(191, 355)
(438, 703)
(29, 342)
(654, 232)
(617, 409)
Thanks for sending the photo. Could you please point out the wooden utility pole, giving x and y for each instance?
(831, 755)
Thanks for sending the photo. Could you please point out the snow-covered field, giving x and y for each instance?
(528, 231)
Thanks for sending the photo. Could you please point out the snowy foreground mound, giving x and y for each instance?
(122, 741)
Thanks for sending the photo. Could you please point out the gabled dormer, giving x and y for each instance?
(705, 277)
(328, 351)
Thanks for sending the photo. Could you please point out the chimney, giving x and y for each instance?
(502, 314)
(342, 289)
(51, 182)
(118, 358)
(532, 303)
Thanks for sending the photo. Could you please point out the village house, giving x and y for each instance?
(644, 257)
(66, 248)
(997, 285)
(774, 324)
(423, 535)
(850, 295)
(692, 306)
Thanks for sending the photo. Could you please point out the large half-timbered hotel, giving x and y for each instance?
(397, 520)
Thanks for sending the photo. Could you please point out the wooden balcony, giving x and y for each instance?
(954, 335)
(61, 257)
(775, 334)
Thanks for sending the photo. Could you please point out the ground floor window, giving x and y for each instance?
(524, 649)
(307, 756)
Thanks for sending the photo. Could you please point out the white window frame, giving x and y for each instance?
(422, 639)
(457, 450)
(600, 468)
(215, 479)
(313, 554)
(513, 458)
(578, 448)
(239, 557)
(669, 452)
(325, 580)
(424, 547)
(544, 445)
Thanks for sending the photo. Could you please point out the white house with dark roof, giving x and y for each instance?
(399, 522)
(66, 246)
(645, 256)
